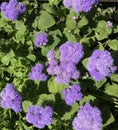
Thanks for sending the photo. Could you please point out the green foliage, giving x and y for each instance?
(18, 55)
(112, 90)
(113, 44)
(45, 21)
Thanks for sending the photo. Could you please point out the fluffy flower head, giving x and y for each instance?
(37, 74)
(41, 39)
(12, 9)
(80, 5)
(39, 116)
(10, 98)
(88, 118)
(72, 94)
(101, 64)
(71, 52)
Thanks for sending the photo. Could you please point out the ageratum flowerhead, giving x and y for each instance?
(41, 39)
(10, 98)
(12, 9)
(101, 64)
(65, 72)
(37, 74)
(71, 52)
(88, 118)
(72, 94)
(80, 5)
(39, 116)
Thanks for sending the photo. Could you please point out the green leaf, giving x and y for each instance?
(20, 26)
(87, 98)
(113, 44)
(31, 57)
(26, 104)
(54, 2)
(74, 109)
(99, 84)
(82, 22)
(54, 87)
(45, 20)
(70, 36)
(102, 31)
(112, 90)
(46, 98)
(85, 61)
(70, 22)
(7, 58)
(48, 8)
(114, 77)
(108, 117)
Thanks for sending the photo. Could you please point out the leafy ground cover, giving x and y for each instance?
(58, 65)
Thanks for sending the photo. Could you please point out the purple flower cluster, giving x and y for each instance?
(41, 39)
(72, 94)
(80, 5)
(37, 74)
(39, 117)
(12, 9)
(65, 69)
(101, 64)
(88, 118)
(10, 98)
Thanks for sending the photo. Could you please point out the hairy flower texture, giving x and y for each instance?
(72, 94)
(71, 52)
(39, 117)
(10, 98)
(88, 118)
(80, 5)
(101, 64)
(65, 68)
(65, 72)
(12, 9)
(41, 39)
(37, 74)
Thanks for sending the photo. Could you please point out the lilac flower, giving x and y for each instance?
(88, 118)
(71, 52)
(80, 5)
(37, 74)
(101, 64)
(65, 69)
(65, 72)
(10, 98)
(52, 62)
(72, 94)
(110, 24)
(39, 117)
(12, 9)
(41, 39)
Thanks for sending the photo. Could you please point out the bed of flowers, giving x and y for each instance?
(58, 65)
